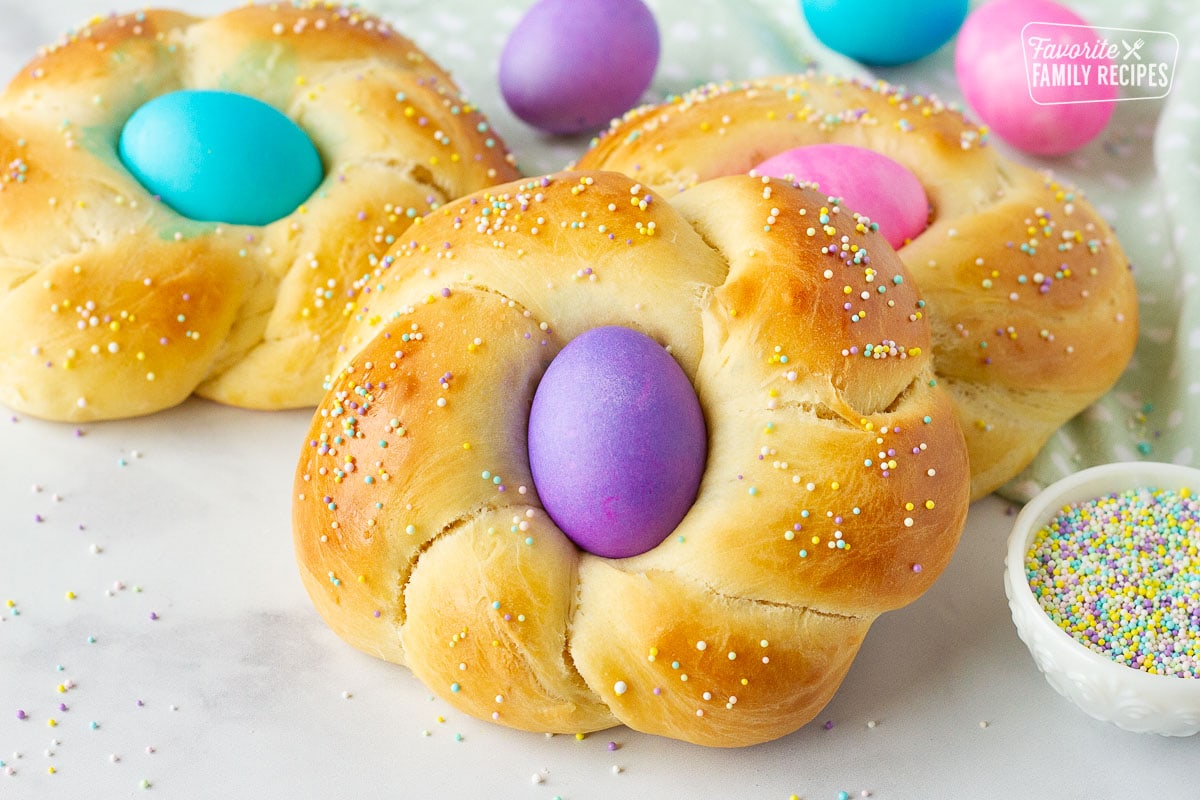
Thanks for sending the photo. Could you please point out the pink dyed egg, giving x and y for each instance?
(867, 182)
(617, 442)
(1032, 71)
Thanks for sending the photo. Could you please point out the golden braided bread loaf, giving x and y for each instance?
(112, 304)
(835, 487)
(1031, 299)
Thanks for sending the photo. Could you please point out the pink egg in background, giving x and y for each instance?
(995, 56)
(868, 183)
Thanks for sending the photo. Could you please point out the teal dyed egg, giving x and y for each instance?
(884, 33)
(220, 157)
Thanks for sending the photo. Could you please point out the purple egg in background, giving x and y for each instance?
(571, 66)
(617, 442)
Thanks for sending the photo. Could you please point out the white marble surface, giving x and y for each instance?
(147, 584)
(237, 689)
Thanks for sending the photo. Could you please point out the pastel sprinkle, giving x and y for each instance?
(1120, 574)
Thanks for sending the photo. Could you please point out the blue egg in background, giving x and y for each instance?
(217, 156)
(884, 33)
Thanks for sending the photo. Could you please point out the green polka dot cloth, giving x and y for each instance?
(1142, 173)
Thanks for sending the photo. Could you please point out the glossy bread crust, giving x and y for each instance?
(1032, 302)
(112, 305)
(835, 488)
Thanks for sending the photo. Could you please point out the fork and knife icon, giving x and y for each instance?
(1132, 49)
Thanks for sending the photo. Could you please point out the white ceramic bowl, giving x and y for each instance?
(1125, 696)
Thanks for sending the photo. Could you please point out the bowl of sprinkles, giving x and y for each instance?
(1103, 581)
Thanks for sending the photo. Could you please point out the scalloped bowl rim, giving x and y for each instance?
(1181, 695)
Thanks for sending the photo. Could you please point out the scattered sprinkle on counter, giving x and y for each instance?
(1121, 574)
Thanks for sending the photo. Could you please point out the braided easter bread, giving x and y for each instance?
(835, 486)
(1031, 299)
(113, 305)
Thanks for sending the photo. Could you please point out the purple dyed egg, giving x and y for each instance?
(617, 442)
(570, 66)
